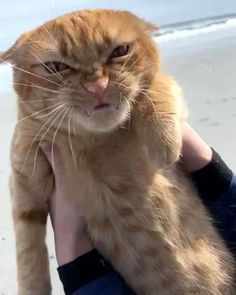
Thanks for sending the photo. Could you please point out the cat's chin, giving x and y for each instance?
(103, 119)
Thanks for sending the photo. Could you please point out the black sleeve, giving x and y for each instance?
(83, 271)
(213, 180)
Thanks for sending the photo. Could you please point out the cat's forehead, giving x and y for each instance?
(89, 32)
(84, 35)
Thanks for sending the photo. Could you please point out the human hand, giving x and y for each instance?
(196, 153)
(71, 238)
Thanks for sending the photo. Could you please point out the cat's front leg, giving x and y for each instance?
(30, 210)
(158, 119)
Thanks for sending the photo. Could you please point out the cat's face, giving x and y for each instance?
(88, 66)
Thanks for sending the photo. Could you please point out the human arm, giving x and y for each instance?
(215, 182)
(92, 274)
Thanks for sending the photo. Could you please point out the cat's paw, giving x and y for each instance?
(165, 150)
(173, 151)
(167, 157)
(171, 156)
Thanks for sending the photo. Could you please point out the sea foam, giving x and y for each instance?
(194, 28)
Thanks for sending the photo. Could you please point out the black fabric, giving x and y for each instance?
(82, 271)
(213, 180)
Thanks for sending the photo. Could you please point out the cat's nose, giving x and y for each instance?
(97, 87)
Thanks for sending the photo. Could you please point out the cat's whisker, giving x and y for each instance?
(142, 69)
(51, 36)
(131, 74)
(140, 89)
(120, 96)
(148, 90)
(56, 73)
(34, 47)
(77, 96)
(159, 112)
(121, 84)
(151, 64)
(49, 46)
(37, 42)
(148, 98)
(127, 59)
(33, 84)
(36, 86)
(129, 117)
(70, 141)
(27, 72)
(45, 50)
(48, 114)
(61, 78)
(114, 82)
(55, 113)
(74, 128)
(39, 100)
(136, 62)
(43, 136)
(55, 134)
(137, 59)
(38, 112)
(146, 67)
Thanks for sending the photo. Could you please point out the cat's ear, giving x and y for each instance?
(10, 55)
(144, 25)
(7, 56)
(150, 27)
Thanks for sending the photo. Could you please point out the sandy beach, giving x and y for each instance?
(205, 67)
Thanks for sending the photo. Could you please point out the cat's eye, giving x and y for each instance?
(120, 50)
(55, 67)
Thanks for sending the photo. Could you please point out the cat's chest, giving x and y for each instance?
(107, 171)
(116, 154)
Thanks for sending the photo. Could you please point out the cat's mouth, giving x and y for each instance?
(102, 106)
(106, 107)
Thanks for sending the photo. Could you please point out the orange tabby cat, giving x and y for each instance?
(90, 82)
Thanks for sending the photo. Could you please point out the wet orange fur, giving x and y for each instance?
(143, 214)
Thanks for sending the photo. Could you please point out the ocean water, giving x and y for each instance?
(17, 16)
